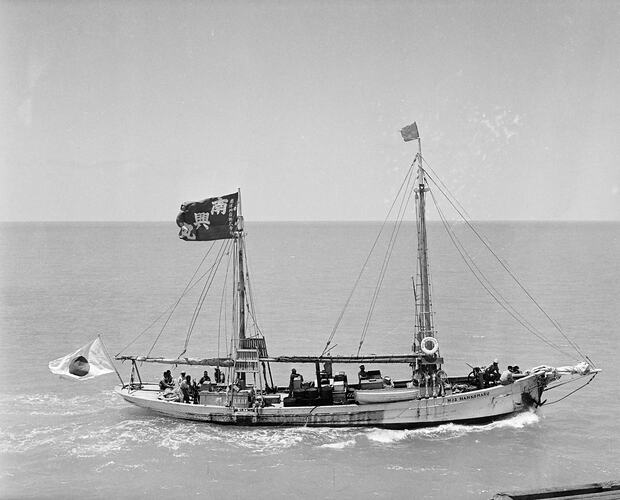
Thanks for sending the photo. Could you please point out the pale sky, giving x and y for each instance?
(117, 110)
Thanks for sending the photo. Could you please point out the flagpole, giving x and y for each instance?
(100, 337)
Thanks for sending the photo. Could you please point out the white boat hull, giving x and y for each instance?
(474, 406)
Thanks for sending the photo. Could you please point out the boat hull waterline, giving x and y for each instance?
(474, 406)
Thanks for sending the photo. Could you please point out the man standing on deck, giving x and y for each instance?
(186, 387)
(294, 376)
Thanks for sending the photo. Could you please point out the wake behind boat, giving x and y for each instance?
(243, 392)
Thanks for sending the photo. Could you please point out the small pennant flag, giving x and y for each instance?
(410, 132)
(87, 362)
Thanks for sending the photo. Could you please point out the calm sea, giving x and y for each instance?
(63, 283)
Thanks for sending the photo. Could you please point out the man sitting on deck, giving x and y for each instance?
(362, 374)
(205, 379)
(491, 374)
(166, 382)
(506, 378)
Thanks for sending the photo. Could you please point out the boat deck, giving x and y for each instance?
(406, 411)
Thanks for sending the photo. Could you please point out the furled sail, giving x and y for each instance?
(210, 219)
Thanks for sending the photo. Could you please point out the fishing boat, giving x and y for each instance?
(243, 391)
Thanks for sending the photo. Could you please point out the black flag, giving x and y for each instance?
(210, 219)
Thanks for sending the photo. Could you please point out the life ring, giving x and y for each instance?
(432, 350)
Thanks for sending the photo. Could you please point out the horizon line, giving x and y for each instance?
(298, 221)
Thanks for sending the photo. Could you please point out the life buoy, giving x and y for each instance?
(432, 350)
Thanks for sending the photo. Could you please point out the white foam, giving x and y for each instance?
(386, 435)
(518, 421)
(85, 436)
(54, 405)
(450, 431)
(339, 446)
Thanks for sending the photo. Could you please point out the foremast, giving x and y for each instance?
(249, 348)
(424, 342)
(239, 283)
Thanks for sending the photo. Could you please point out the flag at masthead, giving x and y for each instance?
(209, 219)
(410, 132)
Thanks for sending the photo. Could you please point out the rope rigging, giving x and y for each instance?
(372, 248)
(570, 393)
(483, 240)
(485, 282)
(465, 255)
(188, 287)
(223, 308)
(208, 276)
(388, 254)
(224, 249)
(250, 295)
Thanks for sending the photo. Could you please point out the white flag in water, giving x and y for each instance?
(87, 362)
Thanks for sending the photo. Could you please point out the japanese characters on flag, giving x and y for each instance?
(209, 219)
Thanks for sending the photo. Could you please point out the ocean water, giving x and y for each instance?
(64, 283)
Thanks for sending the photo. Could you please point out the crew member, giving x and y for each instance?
(362, 374)
(204, 379)
(492, 374)
(186, 388)
(294, 376)
(477, 377)
(166, 382)
(506, 377)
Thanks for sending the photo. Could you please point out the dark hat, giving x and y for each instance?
(362, 367)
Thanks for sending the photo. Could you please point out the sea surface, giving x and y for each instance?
(64, 283)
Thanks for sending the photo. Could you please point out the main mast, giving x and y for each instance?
(424, 343)
(423, 304)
